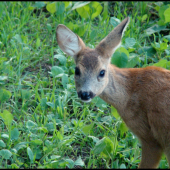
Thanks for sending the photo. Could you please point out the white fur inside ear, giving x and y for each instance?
(114, 49)
(68, 41)
(126, 26)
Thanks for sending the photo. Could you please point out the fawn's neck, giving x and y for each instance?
(117, 91)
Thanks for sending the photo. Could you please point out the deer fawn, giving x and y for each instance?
(140, 95)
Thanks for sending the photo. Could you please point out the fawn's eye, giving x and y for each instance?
(77, 71)
(102, 73)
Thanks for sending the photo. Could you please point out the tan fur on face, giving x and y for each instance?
(140, 95)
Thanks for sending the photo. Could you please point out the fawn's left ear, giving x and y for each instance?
(68, 41)
(112, 41)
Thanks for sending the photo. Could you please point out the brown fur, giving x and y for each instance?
(140, 95)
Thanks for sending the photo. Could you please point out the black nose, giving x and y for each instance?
(85, 95)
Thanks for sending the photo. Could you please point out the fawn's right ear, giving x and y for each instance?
(68, 41)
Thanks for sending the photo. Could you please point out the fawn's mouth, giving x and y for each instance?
(86, 101)
(86, 96)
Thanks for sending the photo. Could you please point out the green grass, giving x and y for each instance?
(43, 124)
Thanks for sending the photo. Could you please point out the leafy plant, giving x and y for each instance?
(43, 124)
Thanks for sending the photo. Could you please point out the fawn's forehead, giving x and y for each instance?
(89, 59)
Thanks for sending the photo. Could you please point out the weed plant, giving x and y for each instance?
(43, 124)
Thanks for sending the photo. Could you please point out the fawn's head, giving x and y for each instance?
(91, 71)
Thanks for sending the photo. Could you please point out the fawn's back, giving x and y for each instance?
(140, 95)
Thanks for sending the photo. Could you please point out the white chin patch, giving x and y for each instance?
(86, 101)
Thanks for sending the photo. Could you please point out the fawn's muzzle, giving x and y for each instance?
(85, 95)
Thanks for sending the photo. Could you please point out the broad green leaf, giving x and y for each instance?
(68, 141)
(162, 63)
(100, 146)
(14, 134)
(49, 27)
(66, 3)
(93, 34)
(136, 154)
(120, 58)
(132, 61)
(163, 46)
(161, 22)
(158, 3)
(30, 124)
(39, 4)
(95, 139)
(114, 21)
(84, 11)
(59, 135)
(43, 103)
(167, 37)
(2, 144)
(60, 7)
(114, 112)
(51, 7)
(44, 129)
(4, 95)
(106, 119)
(70, 163)
(14, 166)
(168, 65)
(64, 80)
(167, 15)
(80, 4)
(123, 128)
(162, 10)
(17, 37)
(20, 145)
(50, 126)
(144, 17)
(30, 154)
(38, 43)
(79, 162)
(122, 166)
(105, 11)
(61, 58)
(3, 78)
(56, 70)
(123, 50)
(55, 157)
(130, 42)
(81, 29)
(6, 154)
(86, 128)
(99, 102)
(72, 26)
(105, 147)
(6, 136)
(109, 147)
(155, 28)
(115, 164)
(62, 164)
(37, 141)
(7, 117)
(148, 51)
(31, 8)
(48, 143)
(97, 9)
(51, 104)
